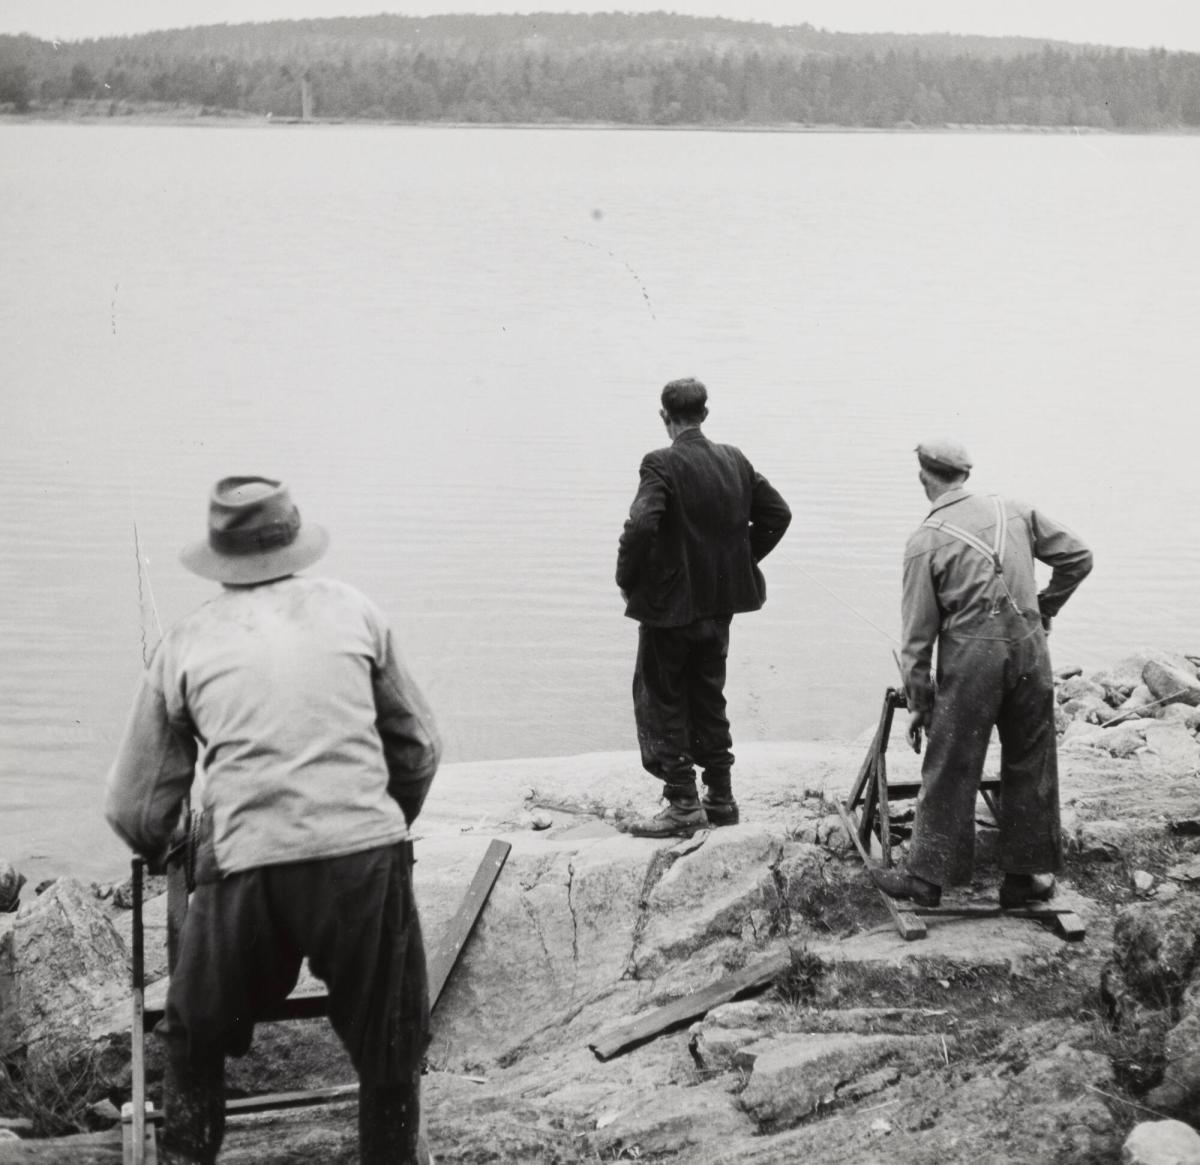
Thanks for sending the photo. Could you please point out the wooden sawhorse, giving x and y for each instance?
(866, 814)
(139, 1118)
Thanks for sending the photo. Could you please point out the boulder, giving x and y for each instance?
(1166, 1142)
(1179, 1092)
(725, 888)
(1092, 709)
(1174, 746)
(1172, 683)
(1156, 949)
(1183, 714)
(1081, 735)
(70, 968)
(1127, 672)
(794, 1075)
(1103, 841)
(667, 1122)
(10, 887)
(1078, 688)
(1124, 740)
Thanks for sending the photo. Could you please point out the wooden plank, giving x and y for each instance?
(689, 1008)
(908, 924)
(441, 960)
(1067, 924)
(883, 818)
(144, 1150)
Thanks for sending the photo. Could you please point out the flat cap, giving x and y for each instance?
(944, 454)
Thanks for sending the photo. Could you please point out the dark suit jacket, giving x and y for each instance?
(701, 522)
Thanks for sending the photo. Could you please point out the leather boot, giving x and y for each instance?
(719, 805)
(897, 882)
(389, 1120)
(1025, 889)
(683, 816)
(193, 1112)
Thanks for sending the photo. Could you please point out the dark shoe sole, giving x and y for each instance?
(683, 831)
(1034, 896)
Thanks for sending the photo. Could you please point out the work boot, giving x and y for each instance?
(896, 882)
(720, 808)
(1019, 890)
(683, 816)
(718, 802)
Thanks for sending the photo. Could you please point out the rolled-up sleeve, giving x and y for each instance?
(152, 773)
(920, 620)
(412, 747)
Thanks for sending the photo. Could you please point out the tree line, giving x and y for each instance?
(653, 69)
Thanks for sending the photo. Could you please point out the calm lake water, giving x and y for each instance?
(450, 342)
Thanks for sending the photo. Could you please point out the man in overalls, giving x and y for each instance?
(969, 586)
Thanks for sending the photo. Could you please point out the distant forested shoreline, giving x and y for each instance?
(654, 69)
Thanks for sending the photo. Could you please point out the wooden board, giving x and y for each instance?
(441, 960)
(1067, 924)
(689, 1008)
(130, 1144)
(909, 926)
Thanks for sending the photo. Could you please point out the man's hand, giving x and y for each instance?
(916, 722)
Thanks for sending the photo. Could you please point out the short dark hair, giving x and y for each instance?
(685, 400)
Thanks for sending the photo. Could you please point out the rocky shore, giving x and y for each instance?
(990, 1040)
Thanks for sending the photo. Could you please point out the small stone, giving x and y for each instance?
(1143, 881)
(1166, 892)
(541, 821)
(105, 1110)
(879, 1125)
(1166, 1142)
(1172, 684)
(8, 1135)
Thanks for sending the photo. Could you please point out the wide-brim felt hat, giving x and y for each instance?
(255, 534)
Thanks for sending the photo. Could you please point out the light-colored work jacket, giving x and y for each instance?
(968, 572)
(310, 734)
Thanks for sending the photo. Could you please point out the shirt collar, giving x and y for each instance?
(949, 498)
(692, 434)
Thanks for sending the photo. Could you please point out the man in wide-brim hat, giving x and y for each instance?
(317, 751)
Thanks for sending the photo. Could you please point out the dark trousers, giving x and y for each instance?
(243, 941)
(679, 700)
(981, 684)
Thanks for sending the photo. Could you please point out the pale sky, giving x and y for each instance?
(1172, 24)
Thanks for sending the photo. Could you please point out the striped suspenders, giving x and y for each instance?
(994, 553)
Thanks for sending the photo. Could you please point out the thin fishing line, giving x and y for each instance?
(849, 606)
(616, 258)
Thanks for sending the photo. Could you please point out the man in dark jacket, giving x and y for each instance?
(700, 524)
